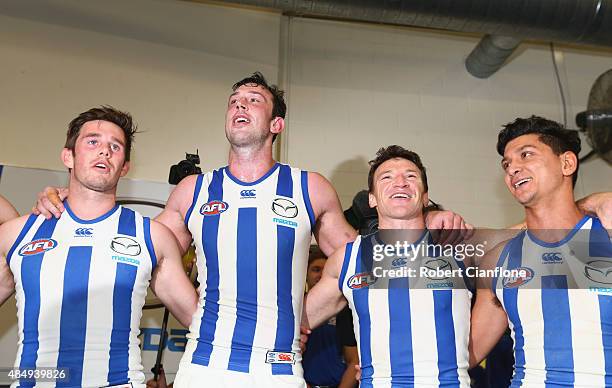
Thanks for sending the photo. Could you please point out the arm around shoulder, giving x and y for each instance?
(488, 319)
(331, 229)
(175, 213)
(325, 299)
(8, 235)
(169, 281)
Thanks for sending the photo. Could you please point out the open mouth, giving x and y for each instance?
(101, 167)
(241, 120)
(402, 196)
(522, 182)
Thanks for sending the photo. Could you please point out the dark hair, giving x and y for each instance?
(106, 113)
(392, 152)
(315, 253)
(279, 108)
(551, 133)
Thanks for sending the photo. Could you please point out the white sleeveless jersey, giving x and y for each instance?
(560, 308)
(252, 243)
(80, 288)
(408, 335)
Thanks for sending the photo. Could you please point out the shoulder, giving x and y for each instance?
(9, 231)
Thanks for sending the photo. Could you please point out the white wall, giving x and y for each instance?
(170, 63)
(352, 88)
(355, 88)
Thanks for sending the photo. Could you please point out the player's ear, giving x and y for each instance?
(372, 200)
(569, 163)
(277, 125)
(125, 168)
(67, 158)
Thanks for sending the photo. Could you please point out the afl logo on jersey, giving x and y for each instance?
(213, 208)
(361, 280)
(518, 281)
(37, 246)
(284, 208)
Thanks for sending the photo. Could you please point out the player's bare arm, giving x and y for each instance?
(331, 229)
(489, 320)
(599, 204)
(174, 214)
(7, 211)
(325, 299)
(169, 281)
(8, 234)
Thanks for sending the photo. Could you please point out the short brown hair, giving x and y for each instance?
(392, 152)
(279, 107)
(105, 113)
(315, 253)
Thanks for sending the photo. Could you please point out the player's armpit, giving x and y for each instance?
(331, 229)
(169, 281)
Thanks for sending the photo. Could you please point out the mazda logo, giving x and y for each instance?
(284, 208)
(125, 246)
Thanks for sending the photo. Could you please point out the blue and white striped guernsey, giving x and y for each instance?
(407, 335)
(80, 288)
(252, 244)
(560, 311)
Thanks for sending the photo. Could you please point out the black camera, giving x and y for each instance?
(184, 168)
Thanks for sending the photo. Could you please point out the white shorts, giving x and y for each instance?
(196, 376)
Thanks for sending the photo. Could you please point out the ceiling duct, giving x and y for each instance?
(568, 21)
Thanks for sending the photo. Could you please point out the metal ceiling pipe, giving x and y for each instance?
(490, 54)
(571, 21)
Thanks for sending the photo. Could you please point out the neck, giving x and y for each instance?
(556, 212)
(88, 204)
(248, 164)
(417, 223)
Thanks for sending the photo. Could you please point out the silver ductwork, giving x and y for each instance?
(569, 21)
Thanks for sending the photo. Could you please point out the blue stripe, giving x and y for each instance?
(196, 192)
(284, 185)
(147, 236)
(118, 366)
(345, 264)
(210, 232)
(285, 325)
(445, 338)
(73, 319)
(26, 228)
(503, 256)
(362, 309)
(30, 281)
(306, 197)
(599, 240)
(400, 333)
(515, 253)
(605, 312)
(246, 294)
(127, 222)
(558, 352)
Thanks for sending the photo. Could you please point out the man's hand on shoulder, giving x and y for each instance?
(600, 205)
(450, 226)
(49, 202)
